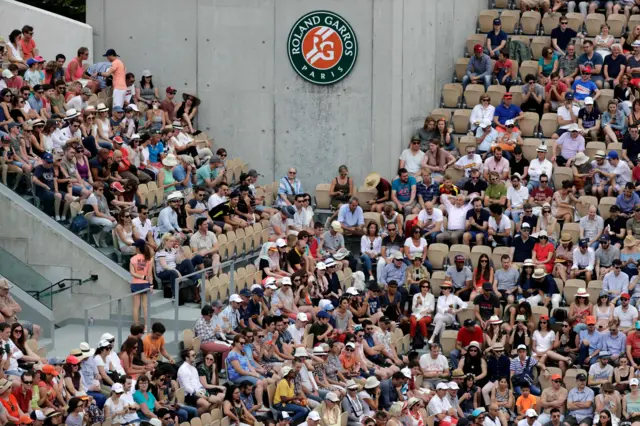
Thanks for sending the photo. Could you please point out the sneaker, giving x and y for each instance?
(58, 219)
(96, 239)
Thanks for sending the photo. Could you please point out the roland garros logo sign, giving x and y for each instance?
(322, 47)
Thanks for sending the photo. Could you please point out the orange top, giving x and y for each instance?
(348, 363)
(523, 404)
(27, 48)
(11, 406)
(141, 266)
(77, 72)
(119, 72)
(152, 346)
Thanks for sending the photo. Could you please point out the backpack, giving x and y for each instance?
(79, 223)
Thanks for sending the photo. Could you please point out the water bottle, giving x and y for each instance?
(91, 321)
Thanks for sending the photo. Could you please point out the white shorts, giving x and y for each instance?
(118, 97)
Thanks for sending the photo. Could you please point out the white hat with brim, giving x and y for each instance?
(573, 128)
(371, 383)
(331, 396)
(473, 344)
(372, 180)
(442, 386)
(531, 413)
(102, 108)
(86, 349)
(539, 273)
(285, 371)
(71, 113)
(582, 292)
(580, 159)
(453, 386)
(351, 384)
(170, 161)
(235, 298)
(336, 226)
(176, 195)
(528, 262)
(542, 148)
(495, 320)
(341, 254)
(600, 154)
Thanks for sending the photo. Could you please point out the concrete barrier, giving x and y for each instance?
(53, 33)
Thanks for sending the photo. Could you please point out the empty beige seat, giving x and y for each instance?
(529, 22)
(549, 124)
(472, 94)
(549, 22)
(461, 68)
(593, 23)
(529, 124)
(496, 92)
(575, 21)
(539, 43)
(617, 24)
(510, 19)
(528, 67)
(451, 94)
(461, 120)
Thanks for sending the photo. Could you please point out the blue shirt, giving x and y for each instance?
(496, 39)
(595, 340)
(34, 103)
(582, 89)
(179, 174)
(428, 193)
(403, 190)
(349, 218)
(503, 113)
(390, 273)
(627, 205)
(614, 345)
(596, 59)
(155, 151)
(576, 395)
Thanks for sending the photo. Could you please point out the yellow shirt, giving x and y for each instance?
(285, 389)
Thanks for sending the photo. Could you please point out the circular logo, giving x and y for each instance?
(322, 47)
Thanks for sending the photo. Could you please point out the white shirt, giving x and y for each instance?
(537, 167)
(437, 405)
(488, 141)
(127, 398)
(114, 359)
(412, 162)
(445, 301)
(457, 215)
(470, 163)
(564, 113)
(366, 243)
(616, 284)
(296, 334)
(188, 379)
(489, 422)
(66, 134)
(626, 318)
(438, 365)
(307, 379)
(430, 220)
(426, 307)
(214, 200)
(505, 224)
(77, 103)
(16, 354)
(408, 243)
(588, 259)
(524, 422)
(479, 114)
(622, 172)
(543, 343)
(114, 408)
(143, 230)
(517, 196)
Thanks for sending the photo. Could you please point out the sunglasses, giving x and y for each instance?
(424, 286)
(349, 350)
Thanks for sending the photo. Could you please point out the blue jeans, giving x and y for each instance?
(486, 80)
(595, 245)
(515, 215)
(534, 390)
(367, 263)
(186, 413)
(507, 81)
(99, 397)
(455, 358)
(299, 412)
(583, 353)
(533, 184)
(185, 267)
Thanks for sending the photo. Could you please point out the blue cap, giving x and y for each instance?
(612, 155)
(497, 21)
(118, 109)
(48, 158)
(477, 412)
(584, 242)
(258, 292)
(245, 292)
(55, 361)
(568, 96)
(31, 61)
(323, 314)
(329, 307)
(12, 125)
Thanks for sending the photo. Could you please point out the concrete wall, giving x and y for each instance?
(53, 33)
(37, 240)
(233, 53)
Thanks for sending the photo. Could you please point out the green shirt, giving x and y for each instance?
(496, 191)
(633, 227)
(205, 172)
(57, 101)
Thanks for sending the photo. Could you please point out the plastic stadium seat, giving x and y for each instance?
(615, 146)
(538, 311)
(545, 379)
(634, 20)
(594, 288)
(570, 377)
(528, 67)
(466, 141)
(516, 91)
(501, 4)
(472, 95)
(605, 96)
(575, 21)
(451, 94)
(593, 23)
(549, 124)
(437, 279)
(539, 43)
(529, 124)
(437, 252)
(560, 174)
(448, 340)
(455, 174)
(459, 249)
(618, 23)
(605, 205)
(439, 113)
(485, 20)
(559, 283)
(474, 39)
(461, 68)
(496, 92)
(529, 147)
(510, 19)
(365, 195)
(323, 200)
(469, 313)
(530, 21)
(592, 147)
(574, 230)
(576, 283)
(549, 22)
(461, 120)
(496, 256)
(476, 251)
(583, 210)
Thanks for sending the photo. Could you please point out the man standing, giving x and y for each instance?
(457, 214)
(118, 71)
(479, 69)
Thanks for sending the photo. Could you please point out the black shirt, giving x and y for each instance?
(294, 258)
(471, 187)
(531, 220)
(617, 225)
(242, 205)
(622, 94)
(614, 65)
(563, 38)
(632, 147)
(45, 176)
(480, 218)
(589, 118)
(523, 249)
(487, 306)
(518, 166)
(221, 211)
(389, 245)
(316, 330)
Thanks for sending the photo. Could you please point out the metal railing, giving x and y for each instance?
(119, 301)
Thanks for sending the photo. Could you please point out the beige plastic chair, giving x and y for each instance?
(461, 68)
(575, 21)
(472, 94)
(530, 21)
(593, 23)
(560, 174)
(618, 23)
(539, 43)
(496, 93)
(516, 91)
(549, 22)
(529, 124)
(437, 252)
(549, 124)
(510, 19)
(528, 67)
(589, 200)
(474, 39)
(605, 205)
(451, 94)
(529, 147)
(461, 120)
(323, 200)
(592, 147)
(605, 96)
(485, 20)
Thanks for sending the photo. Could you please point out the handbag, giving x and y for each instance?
(524, 377)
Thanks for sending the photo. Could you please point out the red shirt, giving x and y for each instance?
(465, 337)
(499, 65)
(11, 406)
(540, 195)
(633, 340)
(27, 48)
(635, 173)
(542, 253)
(24, 399)
(560, 88)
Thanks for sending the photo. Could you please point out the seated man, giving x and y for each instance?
(479, 68)
(628, 199)
(486, 136)
(497, 164)
(430, 220)
(568, 145)
(457, 214)
(589, 119)
(226, 212)
(477, 223)
(620, 174)
(496, 192)
(606, 257)
(517, 195)
(499, 227)
(580, 403)
(461, 278)
(475, 186)
(567, 115)
(467, 163)
(583, 261)
(505, 280)
(591, 227)
(205, 243)
(522, 247)
(403, 192)
(351, 217)
(554, 93)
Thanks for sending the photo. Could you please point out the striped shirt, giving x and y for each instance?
(517, 365)
(170, 258)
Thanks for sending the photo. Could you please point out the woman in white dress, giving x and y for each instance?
(543, 339)
(446, 309)
(422, 308)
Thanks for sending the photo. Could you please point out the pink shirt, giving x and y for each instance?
(119, 72)
(492, 165)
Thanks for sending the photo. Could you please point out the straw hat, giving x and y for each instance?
(102, 107)
(372, 180)
(539, 273)
(170, 161)
(580, 159)
(196, 100)
(629, 241)
(494, 320)
(565, 237)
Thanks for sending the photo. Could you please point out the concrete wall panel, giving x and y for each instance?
(53, 33)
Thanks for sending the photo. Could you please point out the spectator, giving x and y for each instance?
(285, 397)
(499, 227)
(370, 245)
(403, 192)
(145, 92)
(603, 42)
(497, 163)
(567, 116)
(477, 220)
(461, 278)
(457, 213)
(496, 39)
(168, 268)
(289, 187)
(517, 195)
(554, 92)
(467, 163)
(625, 313)
(523, 245)
(168, 105)
(547, 64)
(392, 243)
(479, 69)
(605, 255)
(79, 102)
(620, 173)
(486, 136)
(521, 365)
(601, 169)
(590, 63)
(568, 145)
(507, 111)
(427, 132)
(351, 217)
(631, 146)
(188, 378)
(118, 72)
(561, 37)
(503, 70)
(627, 200)
(383, 191)
(614, 66)
(427, 190)
(187, 111)
(584, 87)
(205, 243)
(629, 255)
(589, 119)
(496, 192)
(437, 160)
(580, 403)
(615, 226)
(614, 123)
(14, 53)
(583, 261)
(539, 170)
(342, 188)
(591, 228)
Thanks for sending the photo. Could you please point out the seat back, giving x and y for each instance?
(474, 39)
(549, 124)
(576, 21)
(617, 24)
(472, 94)
(485, 20)
(530, 21)
(510, 20)
(529, 124)
(593, 23)
(549, 22)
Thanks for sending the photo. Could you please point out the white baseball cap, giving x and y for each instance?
(531, 413)
(351, 345)
(313, 416)
(442, 386)
(453, 385)
(117, 388)
(286, 281)
(235, 298)
(281, 242)
(331, 396)
(633, 381)
(588, 100)
(407, 372)
(107, 336)
(302, 317)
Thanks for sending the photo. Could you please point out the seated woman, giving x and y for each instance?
(370, 246)
(234, 408)
(164, 390)
(104, 131)
(108, 375)
(149, 405)
(444, 136)
(614, 122)
(342, 188)
(415, 274)
(481, 112)
(25, 356)
(414, 245)
(630, 256)
(482, 274)
(603, 41)
(239, 368)
(126, 233)
(547, 64)
(209, 380)
(156, 118)
(187, 111)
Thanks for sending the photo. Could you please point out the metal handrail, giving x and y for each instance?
(110, 301)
